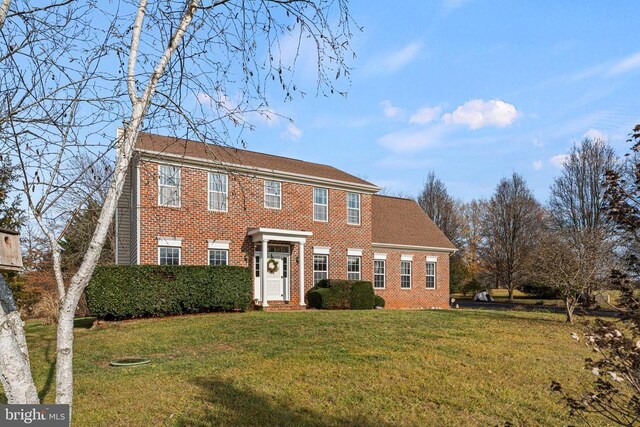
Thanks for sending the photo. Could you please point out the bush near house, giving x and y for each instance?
(129, 291)
(341, 295)
(379, 301)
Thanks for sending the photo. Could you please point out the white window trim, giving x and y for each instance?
(359, 209)
(226, 251)
(379, 256)
(321, 250)
(179, 205)
(172, 247)
(219, 244)
(209, 191)
(410, 275)
(435, 275)
(265, 194)
(314, 265)
(359, 267)
(406, 257)
(320, 204)
(384, 274)
(431, 258)
(169, 241)
(354, 252)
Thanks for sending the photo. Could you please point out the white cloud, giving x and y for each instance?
(450, 5)
(595, 134)
(478, 113)
(292, 132)
(408, 141)
(204, 99)
(425, 115)
(537, 165)
(389, 109)
(537, 143)
(394, 61)
(558, 160)
(629, 63)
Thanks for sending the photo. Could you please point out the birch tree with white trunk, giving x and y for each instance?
(191, 68)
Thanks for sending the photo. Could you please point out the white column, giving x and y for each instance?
(301, 273)
(263, 273)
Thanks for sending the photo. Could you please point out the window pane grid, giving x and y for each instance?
(431, 275)
(218, 185)
(169, 186)
(405, 274)
(320, 204)
(320, 268)
(378, 273)
(272, 194)
(218, 257)
(353, 268)
(168, 256)
(353, 208)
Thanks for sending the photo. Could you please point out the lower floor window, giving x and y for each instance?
(218, 257)
(405, 274)
(320, 268)
(378, 273)
(431, 275)
(353, 268)
(168, 256)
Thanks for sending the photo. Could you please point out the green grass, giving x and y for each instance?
(378, 367)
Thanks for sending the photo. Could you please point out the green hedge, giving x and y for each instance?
(379, 301)
(341, 295)
(128, 291)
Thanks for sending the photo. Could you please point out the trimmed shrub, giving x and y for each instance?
(379, 301)
(341, 295)
(362, 296)
(129, 291)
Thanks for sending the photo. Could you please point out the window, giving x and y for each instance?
(168, 256)
(320, 204)
(353, 268)
(257, 264)
(218, 188)
(169, 186)
(272, 194)
(379, 266)
(320, 268)
(405, 274)
(431, 275)
(218, 257)
(353, 208)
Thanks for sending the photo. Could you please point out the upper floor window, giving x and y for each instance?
(320, 204)
(168, 255)
(218, 190)
(272, 194)
(379, 273)
(169, 186)
(431, 275)
(218, 257)
(353, 267)
(405, 274)
(353, 208)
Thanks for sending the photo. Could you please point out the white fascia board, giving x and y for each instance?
(170, 241)
(156, 156)
(412, 247)
(219, 244)
(354, 252)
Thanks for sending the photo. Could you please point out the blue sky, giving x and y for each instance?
(470, 89)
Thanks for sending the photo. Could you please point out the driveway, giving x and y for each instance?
(477, 305)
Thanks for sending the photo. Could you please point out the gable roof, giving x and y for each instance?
(179, 148)
(398, 221)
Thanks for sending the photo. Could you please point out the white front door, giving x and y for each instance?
(277, 282)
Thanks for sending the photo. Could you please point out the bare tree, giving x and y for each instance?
(471, 235)
(436, 202)
(511, 225)
(191, 68)
(578, 210)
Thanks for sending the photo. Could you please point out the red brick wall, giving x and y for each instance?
(195, 224)
(418, 296)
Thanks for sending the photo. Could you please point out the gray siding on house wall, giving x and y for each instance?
(127, 219)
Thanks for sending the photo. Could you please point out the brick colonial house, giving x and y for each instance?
(293, 222)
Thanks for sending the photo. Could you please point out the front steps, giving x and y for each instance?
(284, 306)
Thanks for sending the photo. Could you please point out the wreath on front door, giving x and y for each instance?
(272, 266)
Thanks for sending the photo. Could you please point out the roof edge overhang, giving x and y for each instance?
(153, 155)
(412, 247)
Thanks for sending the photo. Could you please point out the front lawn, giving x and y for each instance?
(370, 368)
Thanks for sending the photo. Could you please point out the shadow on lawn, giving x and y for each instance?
(236, 406)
